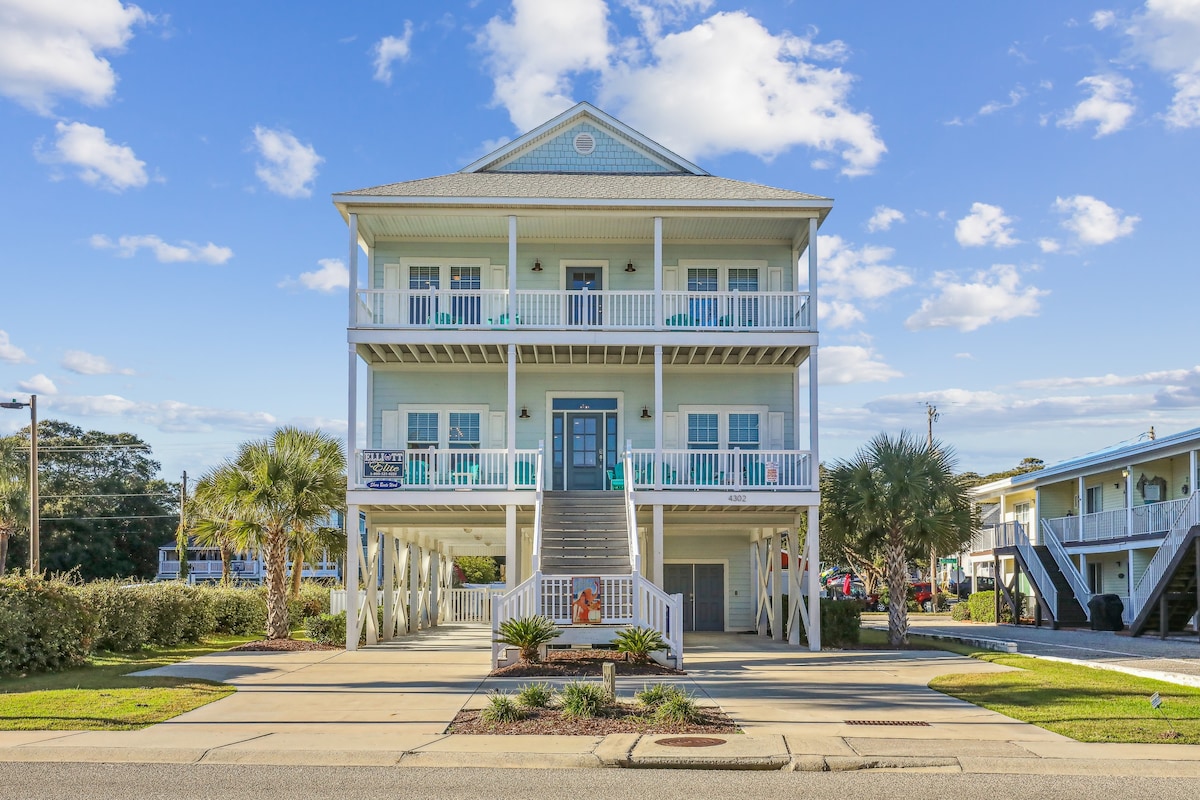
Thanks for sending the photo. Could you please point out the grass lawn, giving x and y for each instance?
(1084, 703)
(102, 697)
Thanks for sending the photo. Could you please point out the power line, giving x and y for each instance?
(139, 516)
(130, 494)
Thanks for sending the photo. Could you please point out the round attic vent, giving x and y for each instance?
(585, 143)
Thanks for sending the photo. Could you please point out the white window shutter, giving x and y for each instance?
(391, 430)
(499, 277)
(670, 279)
(496, 438)
(391, 277)
(775, 430)
(671, 430)
(775, 279)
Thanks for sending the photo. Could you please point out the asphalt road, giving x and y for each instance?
(153, 781)
(1179, 656)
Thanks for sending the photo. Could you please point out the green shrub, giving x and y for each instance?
(122, 614)
(327, 628)
(501, 708)
(583, 700)
(960, 612)
(237, 611)
(841, 621)
(528, 634)
(45, 625)
(477, 569)
(178, 613)
(654, 695)
(678, 708)
(983, 608)
(535, 695)
(639, 643)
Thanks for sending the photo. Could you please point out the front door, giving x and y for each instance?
(584, 308)
(585, 451)
(703, 590)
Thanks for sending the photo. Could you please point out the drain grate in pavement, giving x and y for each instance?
(691, 741)
(908, 723)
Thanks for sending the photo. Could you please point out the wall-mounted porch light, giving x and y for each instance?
(630, 267)
(524, 413)
(645, 412)
(537, 265)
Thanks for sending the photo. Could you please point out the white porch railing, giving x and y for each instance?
(1067, 567)
(462, 469)
(1097, 527)
(603, 309)
(1156, 517)
(624, 600)
(1188, 516)
(757, 470)
(467, 605)
(1042, 583)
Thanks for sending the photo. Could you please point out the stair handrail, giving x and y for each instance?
(1067, 567)
(1037, 570)
(635, 554)
(538, 495)
(522, 600)
(1188, 517)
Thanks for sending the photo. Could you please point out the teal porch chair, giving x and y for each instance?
(616, 476)
(523, 474)
(418, 472)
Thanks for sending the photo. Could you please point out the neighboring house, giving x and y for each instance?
(1119, 521)
(204, 562)
(525, 320)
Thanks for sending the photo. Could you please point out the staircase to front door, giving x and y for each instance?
(585, 533)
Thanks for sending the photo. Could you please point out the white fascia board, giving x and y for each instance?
(345, 201)
(581, 338)
(756, 499)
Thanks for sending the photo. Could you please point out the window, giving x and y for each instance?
(703, 432)
(464, 430)
(422, 430)
(702, 279)
(423, 309)
(745, 279)
(743, 431)
(465, 307)
(1094, 500)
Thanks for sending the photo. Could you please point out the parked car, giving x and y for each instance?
(963, 588)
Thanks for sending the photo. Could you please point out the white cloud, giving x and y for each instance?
(51, 49)
(994, 295)
(884, 218)
(848, 273)
(773, 93)
(986, 224)
(1049, 245)
(836, 314)
(1166, 34)
(288, 167)
(10, 353)
(38, 384)
(84, 363)
(1103, 19)
(852, 364)
(99, 161)
(185, 251)
(1168, 377)
(1014, 98)
(332, 275)
(168, 415)
(390, 49)
(1094, 221)
(966, 356)
(1109, 104)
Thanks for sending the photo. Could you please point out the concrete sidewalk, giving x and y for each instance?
(388, 705)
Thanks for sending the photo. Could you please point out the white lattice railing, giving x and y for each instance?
(741, 470)
(1188, 516)
(604, 309)
(624, 600)
(1037, 570)
(447, 468)
(1065, 565)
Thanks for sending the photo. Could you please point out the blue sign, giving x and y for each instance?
(384, 483)
(387, 464)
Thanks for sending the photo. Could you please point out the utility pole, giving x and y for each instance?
(931, 413)
(35, 558)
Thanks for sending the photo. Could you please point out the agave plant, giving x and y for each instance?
(528, 634)
(639, 643)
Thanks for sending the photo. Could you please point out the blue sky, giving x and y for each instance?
(1009, 239)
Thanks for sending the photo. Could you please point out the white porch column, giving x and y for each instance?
(512, 269)
(813, 546)
(1191, 481)
(352, 261)
(777, 585)
(512, 548)
(511, 427)
(658, 279)
(389, 588)
(414, 587)
(1129, 502)
(371, 585)
(815, 458)
(656, 547)
(353, 550)
(795, 594)
(435, 587)
(812, 272)
(656, 465)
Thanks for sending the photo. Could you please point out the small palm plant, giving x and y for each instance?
(535, 695)
(501, 707)
(528, 634)
(654, 695)
(584, 700)
(639, 643)
(679, 707)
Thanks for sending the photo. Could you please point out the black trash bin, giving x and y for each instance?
(1106, 610)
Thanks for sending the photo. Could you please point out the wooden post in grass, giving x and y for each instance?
(608, 672)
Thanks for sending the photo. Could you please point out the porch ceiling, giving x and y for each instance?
(568, 354)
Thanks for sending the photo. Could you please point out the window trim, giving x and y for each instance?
(443, 413)
(723, 412)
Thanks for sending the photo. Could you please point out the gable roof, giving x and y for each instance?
(583, 114)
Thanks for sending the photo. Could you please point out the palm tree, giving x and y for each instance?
(275, 487)
(213, 522)
(900, 495)
(313, 540)
(14, 494)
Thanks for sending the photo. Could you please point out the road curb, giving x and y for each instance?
(998, 645)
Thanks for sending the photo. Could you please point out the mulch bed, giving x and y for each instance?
(581, 663)
(282, 646)
(623, 718)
